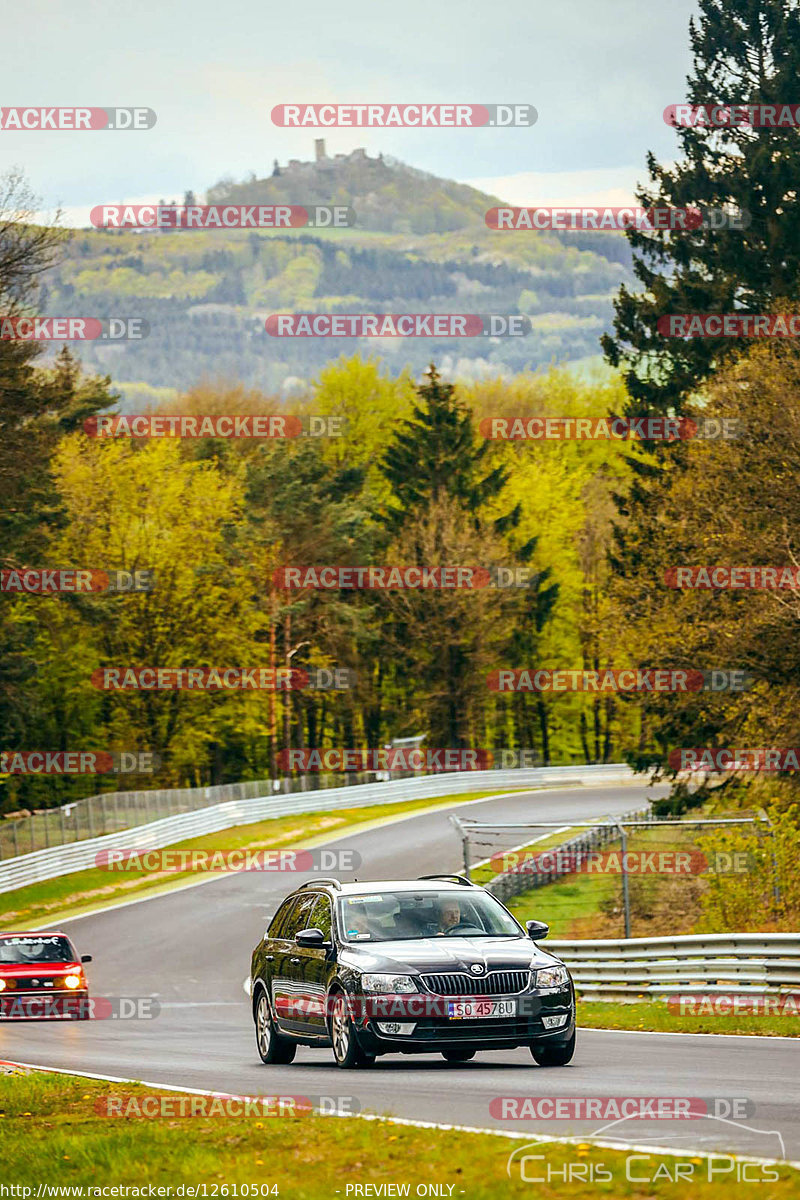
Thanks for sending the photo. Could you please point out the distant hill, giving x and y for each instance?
(387, 195)
(420, 245)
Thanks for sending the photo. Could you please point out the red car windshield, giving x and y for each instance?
(21, 950)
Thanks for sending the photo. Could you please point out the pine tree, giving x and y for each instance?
(434, 456)
(745, 52)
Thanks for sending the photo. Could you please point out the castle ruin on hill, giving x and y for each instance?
(321, 161)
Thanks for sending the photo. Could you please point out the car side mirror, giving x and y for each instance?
(311, 937)
(537, 930)
(86, 958)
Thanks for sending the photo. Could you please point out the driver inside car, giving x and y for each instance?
(449, 915)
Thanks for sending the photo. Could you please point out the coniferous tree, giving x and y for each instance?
(745, 52)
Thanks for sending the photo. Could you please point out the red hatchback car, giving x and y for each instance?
(42, 976)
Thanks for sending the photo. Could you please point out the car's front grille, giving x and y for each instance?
(29, 985)
(496, 983)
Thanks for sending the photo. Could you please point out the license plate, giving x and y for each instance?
(460, 1009)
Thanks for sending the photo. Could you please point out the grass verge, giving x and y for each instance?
(55, 1136)
(83, 891)
(655, 1017)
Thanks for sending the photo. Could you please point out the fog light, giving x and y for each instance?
(397, 1028)
(553, 1022)
(72, 981)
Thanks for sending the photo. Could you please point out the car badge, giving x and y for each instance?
(476, 968)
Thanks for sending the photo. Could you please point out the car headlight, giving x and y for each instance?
(2, 985)
(72, 981)
(388, 984)
(551, 977)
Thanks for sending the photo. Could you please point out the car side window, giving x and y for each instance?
(321, 917)
(298, 917)
(278, 922)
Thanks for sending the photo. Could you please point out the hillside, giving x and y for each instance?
(420, 245)
(388, 196)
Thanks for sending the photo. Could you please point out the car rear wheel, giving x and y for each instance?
(457, 1055)
(271, 1046)
(553, 1056)
(346, 1049)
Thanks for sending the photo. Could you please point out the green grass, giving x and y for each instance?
(655, 1016)
(82, 891)
(54, 1136)
(563, 903)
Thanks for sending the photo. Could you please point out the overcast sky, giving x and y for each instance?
(599, 72)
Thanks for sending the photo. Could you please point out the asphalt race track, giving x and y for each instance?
(191, 949)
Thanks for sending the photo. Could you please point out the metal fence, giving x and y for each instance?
(517, 880)
(738, 964)
(50, 862)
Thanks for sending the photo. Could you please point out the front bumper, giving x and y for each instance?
(436, 1032)
(49, 1004)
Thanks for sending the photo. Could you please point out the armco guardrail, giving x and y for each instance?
(62, 860)
(110, 812)
(687, 964)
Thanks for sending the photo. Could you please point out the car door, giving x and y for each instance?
(289, 1003)
(317, 966)
(264, 957)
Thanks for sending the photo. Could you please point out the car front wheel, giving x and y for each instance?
(271, 1046)
(346, 1049)
(553, 1056)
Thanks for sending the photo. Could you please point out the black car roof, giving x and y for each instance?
(390, 885)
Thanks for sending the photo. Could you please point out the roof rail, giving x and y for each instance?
(322, 879)
(462, 879)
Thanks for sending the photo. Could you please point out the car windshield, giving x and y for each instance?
(402, 916)
(31, 950)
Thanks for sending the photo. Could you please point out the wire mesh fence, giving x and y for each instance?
(631, 868)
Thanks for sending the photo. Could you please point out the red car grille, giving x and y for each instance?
(40, 983)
